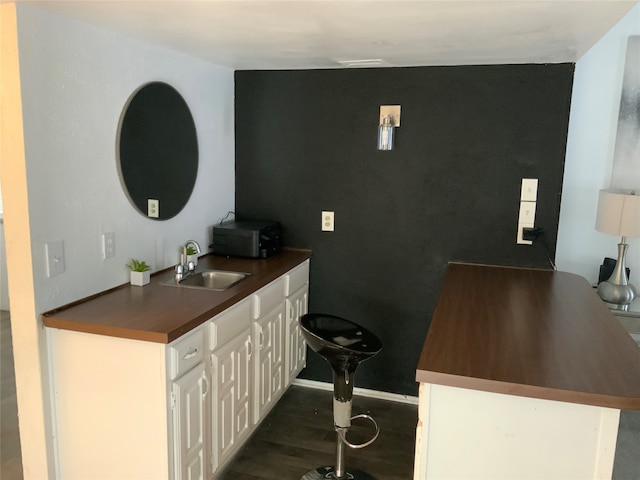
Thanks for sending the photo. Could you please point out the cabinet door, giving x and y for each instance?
(233, 376)
(296, 307)
(269, 379)
(190, 402)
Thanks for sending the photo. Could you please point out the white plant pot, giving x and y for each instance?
(140, 278)
(192, 258)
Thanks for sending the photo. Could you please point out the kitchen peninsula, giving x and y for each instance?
(164, 382)
(522, 375)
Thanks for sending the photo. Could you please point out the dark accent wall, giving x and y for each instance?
(449, 190)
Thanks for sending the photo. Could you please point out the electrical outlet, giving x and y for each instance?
(519, 239)
(327, 221)
(526, 218)
(108, 245)
(153, 208)
(54, 251)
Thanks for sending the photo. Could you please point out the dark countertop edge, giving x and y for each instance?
(530, 391)
(52, 319)
(128, 334)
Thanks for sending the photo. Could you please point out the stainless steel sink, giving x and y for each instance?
(209, 280)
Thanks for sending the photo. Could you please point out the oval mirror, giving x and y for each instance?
(157, 151)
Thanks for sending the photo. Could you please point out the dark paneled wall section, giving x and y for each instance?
(449, 191)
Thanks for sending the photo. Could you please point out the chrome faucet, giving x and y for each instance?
(184, 268)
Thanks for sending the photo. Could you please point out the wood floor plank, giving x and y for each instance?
(10, 452)
(298, 436)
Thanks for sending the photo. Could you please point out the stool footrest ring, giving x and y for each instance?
(343, 432)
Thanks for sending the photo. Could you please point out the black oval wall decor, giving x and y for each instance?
(157, 150)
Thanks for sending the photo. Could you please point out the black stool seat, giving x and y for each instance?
(338, 339)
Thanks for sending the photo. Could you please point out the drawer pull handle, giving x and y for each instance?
(206, 383)
(249, 349)
(190, 354)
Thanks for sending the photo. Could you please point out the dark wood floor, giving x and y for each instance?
(298, 436)
(10, 456)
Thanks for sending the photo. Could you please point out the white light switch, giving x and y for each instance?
(527, 214)
(529, 192)
(54, 251)
(108, 245)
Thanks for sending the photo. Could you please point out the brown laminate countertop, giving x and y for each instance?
(160, 313)
(528, 332)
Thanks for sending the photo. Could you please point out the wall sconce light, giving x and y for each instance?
(389, 119)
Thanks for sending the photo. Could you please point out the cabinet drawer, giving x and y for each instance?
(186, 353)
(268, 298)
(296, 278)
(228, 324)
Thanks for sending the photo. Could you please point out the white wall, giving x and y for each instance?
(589, 160)
(75, 81)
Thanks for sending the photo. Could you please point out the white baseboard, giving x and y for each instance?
(393, 397)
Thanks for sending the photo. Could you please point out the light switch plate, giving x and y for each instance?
(54, 251)
(529, 191)
(108, 245)
(327, 221)
(527, 214)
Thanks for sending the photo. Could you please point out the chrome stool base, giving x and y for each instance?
(326, 473)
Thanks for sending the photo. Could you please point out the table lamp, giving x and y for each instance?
(618, 214)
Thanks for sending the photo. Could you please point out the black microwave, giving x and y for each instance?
(247, 238)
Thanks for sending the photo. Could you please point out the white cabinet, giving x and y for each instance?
(231, 364)
(268, 330)
(112, 407)
(128, 408)
(190, 404)
(296, 305)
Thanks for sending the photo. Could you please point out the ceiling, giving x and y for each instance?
(307, 34)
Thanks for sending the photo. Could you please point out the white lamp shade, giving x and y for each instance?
(619, 213)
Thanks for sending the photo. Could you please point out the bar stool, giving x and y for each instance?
(344, 345)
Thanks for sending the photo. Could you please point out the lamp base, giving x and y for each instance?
(619, 295)
(617, 290)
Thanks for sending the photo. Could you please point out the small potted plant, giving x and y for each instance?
(140, 272)
(192, 255)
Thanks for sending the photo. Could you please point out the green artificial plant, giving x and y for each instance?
(137, 266)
